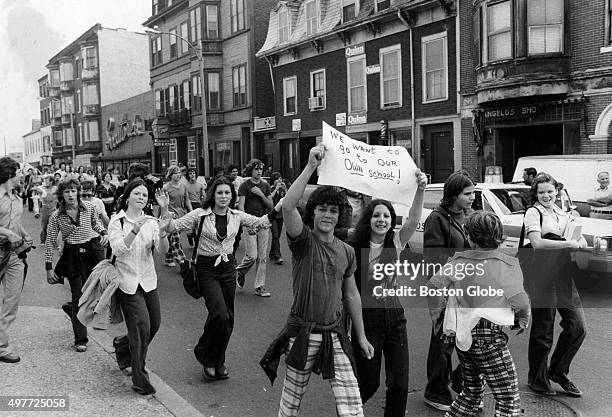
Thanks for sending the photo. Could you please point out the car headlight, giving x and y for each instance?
(601, 245)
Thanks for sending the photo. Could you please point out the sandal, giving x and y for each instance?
(207, 375)
(222, 372)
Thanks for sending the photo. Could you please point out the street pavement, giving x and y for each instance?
(42, 334)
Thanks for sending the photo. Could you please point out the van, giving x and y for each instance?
(578, 173)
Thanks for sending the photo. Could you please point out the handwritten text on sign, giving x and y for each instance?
(386, 172)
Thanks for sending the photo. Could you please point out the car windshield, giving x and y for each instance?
(512, 200)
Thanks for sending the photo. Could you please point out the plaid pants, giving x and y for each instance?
(175, 249)
(344, 385)
(488, 359)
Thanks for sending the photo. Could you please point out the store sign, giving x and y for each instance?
(159, 128)
(373, 69)
(513, 112)
(296, 125)
(264, 123)
(162, 142)
(340, 119)
(118, 133)
(354, 50)
(357, 118)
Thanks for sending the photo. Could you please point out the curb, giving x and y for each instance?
(169, 398)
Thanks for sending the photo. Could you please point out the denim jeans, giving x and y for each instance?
(385, 329)
(276, 229)
(256, 254)
(142, 318)
(218, 285)
(12, 282)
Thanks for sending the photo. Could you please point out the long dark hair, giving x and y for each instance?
(209, 203)
(454, 186)
(137, 182)
(360, 239)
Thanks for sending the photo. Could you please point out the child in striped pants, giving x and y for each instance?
(488, 295)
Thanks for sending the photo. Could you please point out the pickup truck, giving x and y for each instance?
(508, 202)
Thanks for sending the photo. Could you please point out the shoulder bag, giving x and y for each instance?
(189, 270)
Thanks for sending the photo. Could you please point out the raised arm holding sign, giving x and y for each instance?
(385, 172)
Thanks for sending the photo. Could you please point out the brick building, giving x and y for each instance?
(46, 133)
(100, 67)
(236, 86)
(536, 79)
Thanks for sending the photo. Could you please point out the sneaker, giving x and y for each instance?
(437, 405)
(568, 386)
(278, 261)
(261, 291)
(80, 348)
(240, 278)
(542, 390)
(170, 264)
(10, 358)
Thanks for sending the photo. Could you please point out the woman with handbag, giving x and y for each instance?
(84, 241)
(551, 287)
(133, 237)
(216, 268)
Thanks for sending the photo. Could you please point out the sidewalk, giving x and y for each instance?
(92, 380)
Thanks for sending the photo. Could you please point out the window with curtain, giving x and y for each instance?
(499, 31)
(545, 26)
(357, 84)
(290, 95)
(435, 67)
(390, 76)
(212, 22)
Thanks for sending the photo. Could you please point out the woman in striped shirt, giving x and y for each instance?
(84, 241)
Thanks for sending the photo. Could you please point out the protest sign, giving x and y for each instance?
(386, 172)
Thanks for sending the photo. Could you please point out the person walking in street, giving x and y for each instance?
(84, 238)
(233, 173)
(216, 269)
(87, 194)
(196, 192)
(14, 241)
(106, 192)
(323, 267)
(134, 236)
(254, 198)
(179, 205)
(376, 242)
(279, 189)
(442, 237)
(476, 322)
(551, 287)
(49, 204)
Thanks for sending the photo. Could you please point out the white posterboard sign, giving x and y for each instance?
(386, 172)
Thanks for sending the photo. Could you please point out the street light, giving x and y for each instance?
(200, 56)
(71, 128)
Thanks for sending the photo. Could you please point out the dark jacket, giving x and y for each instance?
(443, 236)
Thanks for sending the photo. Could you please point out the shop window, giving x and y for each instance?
(284, 28)
(435, 67)
(312, 17)
(357, 84)
(545, 26)
(317, 90)
(390, 76)
(290, 95)
(237, 15)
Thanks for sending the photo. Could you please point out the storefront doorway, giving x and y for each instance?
(437, 151)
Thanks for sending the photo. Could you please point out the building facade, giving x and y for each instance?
(127, 132)
(46, 132)
(236, 86)
(100, 67)
(383, 72)
(33, 145)
(536, 79)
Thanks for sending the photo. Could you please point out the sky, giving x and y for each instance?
(31, 32)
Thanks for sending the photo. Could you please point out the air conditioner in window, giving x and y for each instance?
(316, 103)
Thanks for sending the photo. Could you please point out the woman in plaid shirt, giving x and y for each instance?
(84, 241)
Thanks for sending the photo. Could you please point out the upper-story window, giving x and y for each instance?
(239, 85)
(54, 78)
(237, 15)
(90, 56)
(382, 5)
(499, 31)
(435, 67)
(196, 90)
(312, 17)
(156, 6)
(212, 21)
(184, 34)
(173, 40)
(77, 66)
(317, 90)
(195, 20)
(184, 96)
(290, 95)
(214, 90)
(545, 26)
(90, 94)
(357, 95)
(284, 28)
(349, 10)
(390, 76)
(608, 25)
(65, 71)
(156, 51)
